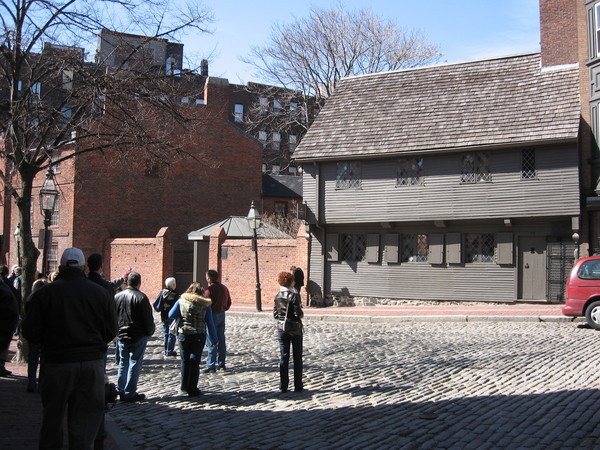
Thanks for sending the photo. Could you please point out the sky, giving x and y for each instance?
(465, 30)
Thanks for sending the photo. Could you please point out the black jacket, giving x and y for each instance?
(164, 302)
(71, 318)
(282, 300)
(134, 314)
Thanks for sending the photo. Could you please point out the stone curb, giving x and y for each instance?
(438, 318)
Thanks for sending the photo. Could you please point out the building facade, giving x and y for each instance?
(455, 182)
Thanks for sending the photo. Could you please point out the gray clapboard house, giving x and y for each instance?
(451, 182)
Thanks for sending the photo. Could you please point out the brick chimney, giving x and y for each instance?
(561, 25)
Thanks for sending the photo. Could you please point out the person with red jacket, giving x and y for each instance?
(221, 302)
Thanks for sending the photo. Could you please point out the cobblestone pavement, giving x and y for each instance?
(467, 385)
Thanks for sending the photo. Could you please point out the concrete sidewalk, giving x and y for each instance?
(414, 312)
(21, 415)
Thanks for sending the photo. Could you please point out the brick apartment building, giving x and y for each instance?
(102, 198)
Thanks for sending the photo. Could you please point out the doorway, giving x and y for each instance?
(532, 268)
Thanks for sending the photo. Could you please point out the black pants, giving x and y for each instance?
(285, 341)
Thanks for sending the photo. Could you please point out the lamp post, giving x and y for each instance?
(17, 236)
(575, 238)
(254, 219)
(48, 196)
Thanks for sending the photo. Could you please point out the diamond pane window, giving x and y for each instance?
(348, 175)
(480, 248)
(353, 247)
(469, 173)
(484, 173)
(415, 248)
(476, 168)
(410, 172)
(528, 171)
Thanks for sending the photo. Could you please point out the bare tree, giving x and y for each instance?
(56, 105)
(311, 54)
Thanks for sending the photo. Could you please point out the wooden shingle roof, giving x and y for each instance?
(495, 102)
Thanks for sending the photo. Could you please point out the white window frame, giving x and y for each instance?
(276, 141)
(263, 104)
(292, 142)
(597, 27)
(238, 112)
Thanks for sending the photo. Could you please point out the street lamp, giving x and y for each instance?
(48, 196)
(254, 219)
(575, 238)
(17, 236)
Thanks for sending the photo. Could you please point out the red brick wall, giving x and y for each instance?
(238, 270)
(152, 258)
(559, 31)
(219, 180)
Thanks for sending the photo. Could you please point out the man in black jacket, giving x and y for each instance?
(136, 325)
(72, 319)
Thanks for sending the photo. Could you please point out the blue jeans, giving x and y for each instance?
(285, 340)
(169, 339)
(216, 355)
(131, 358)
(190, 349)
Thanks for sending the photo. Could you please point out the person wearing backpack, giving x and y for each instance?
(163, 304)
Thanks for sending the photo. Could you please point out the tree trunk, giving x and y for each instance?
(30, 254)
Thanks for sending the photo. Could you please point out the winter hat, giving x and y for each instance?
(72, 257)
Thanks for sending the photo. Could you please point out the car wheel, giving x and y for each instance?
(592, 315)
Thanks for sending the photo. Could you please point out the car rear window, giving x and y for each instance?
(589, 270)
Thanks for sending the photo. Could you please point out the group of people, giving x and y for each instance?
(72, 319)
(195, 319)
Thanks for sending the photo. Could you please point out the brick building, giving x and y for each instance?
(104, 196)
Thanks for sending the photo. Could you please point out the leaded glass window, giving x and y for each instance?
(476, 168)
(480, 247)
(410, 172)
(348, 175)
(415, 248)
(353, 247)
(528, 171)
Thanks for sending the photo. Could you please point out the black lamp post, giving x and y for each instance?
(254, 219)
(48, 196)
(17, 235)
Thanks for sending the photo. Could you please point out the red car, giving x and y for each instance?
(583, 291)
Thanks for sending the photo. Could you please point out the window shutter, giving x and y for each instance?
(454, 248)
(332, 245)
(392, 252)
(504, 248)
(436, 248)
(372, 248)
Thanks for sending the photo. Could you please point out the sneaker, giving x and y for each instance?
(209, 370)
(170, 353)
(221, 367)
(134, 398)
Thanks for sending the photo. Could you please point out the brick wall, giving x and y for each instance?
(238, 270)
(151, 257)
(559, 31)
(116, 199)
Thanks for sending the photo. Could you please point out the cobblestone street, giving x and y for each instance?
(396, 385)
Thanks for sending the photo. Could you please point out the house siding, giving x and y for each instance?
(492, 282)
(444, 197)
